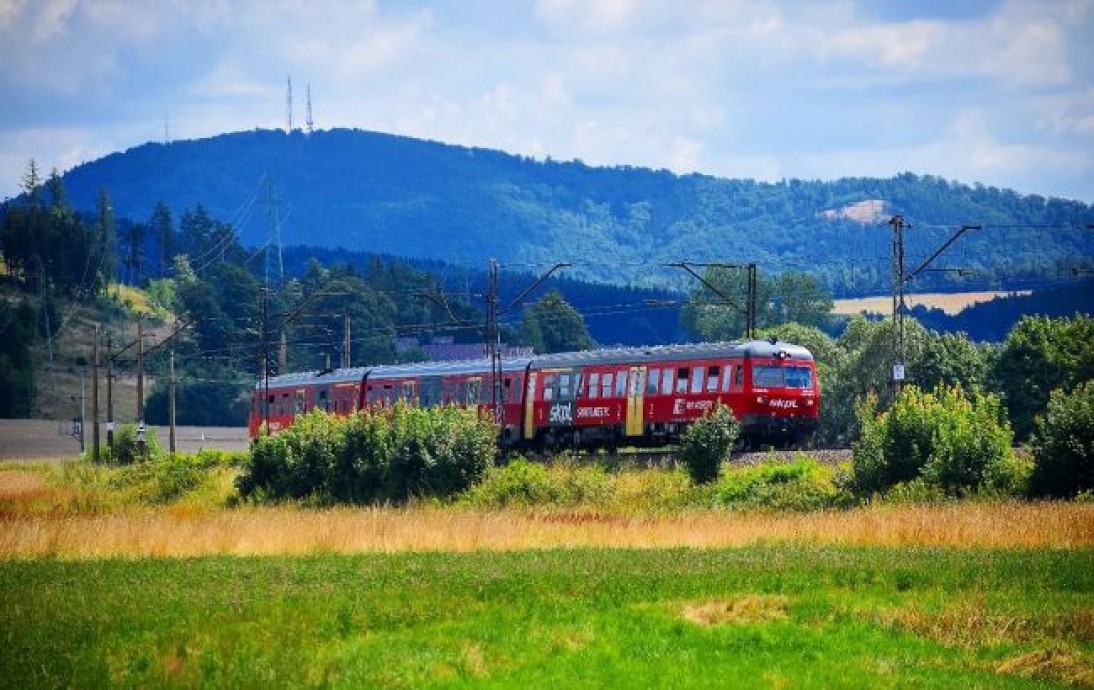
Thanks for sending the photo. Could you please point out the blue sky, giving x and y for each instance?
(998, 92)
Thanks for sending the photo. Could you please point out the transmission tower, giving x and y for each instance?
(309, 122)
(274, 242)
(288, 106)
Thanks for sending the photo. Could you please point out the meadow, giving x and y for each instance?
(949, 302)
(135, 577)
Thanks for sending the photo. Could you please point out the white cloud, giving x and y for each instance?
(757, 88)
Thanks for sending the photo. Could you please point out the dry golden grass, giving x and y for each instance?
(746, 609)
(181, 531)
(1057, 665)
(951, 303)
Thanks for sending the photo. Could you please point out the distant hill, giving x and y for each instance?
(375, 192)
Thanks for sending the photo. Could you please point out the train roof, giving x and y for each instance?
(623, 355)
(332, 376)
(673, 353)
(454, 368)
(394, 371)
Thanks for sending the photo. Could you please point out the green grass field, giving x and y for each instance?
(760, 616)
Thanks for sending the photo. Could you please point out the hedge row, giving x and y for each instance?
(379, 454)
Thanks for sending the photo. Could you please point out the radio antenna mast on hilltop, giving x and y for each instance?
(309, 122)
(288, 106)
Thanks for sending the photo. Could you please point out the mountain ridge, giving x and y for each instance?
(369, 191)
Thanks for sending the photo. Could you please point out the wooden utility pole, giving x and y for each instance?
(110, 395)
(171, 400)
(95, 397)
(283, 353)
(345, 342)
(140, 369)
(897, 223)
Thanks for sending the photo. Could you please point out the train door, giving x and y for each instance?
(635, 400)
(530, 407)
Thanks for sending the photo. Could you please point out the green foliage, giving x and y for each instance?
(16, 362)
(49, 247)
(860, 366)
(801, 485)
(161, 481)
(431, 200)
(707, 442)
(1063, 445)
(790, 297)
(201, 481)
(202, 403)
(524, 484)
(380, 454)
(957, 443)
(550, 324)
(1040, 355)
(518, 484)
(128, 449)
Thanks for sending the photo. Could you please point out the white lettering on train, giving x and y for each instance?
(593, 412)
(561, 413)
(784, 404)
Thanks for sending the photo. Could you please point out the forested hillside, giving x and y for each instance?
(374, 192)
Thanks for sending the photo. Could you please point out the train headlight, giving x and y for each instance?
(761, 399)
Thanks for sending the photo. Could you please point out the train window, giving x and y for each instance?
(620, 384)
(564, 387)
(767, 377)
(300, 402)
(408, 391)
(697, 380)
(739, 377)
(474, 391)
(606, 385)
(594, 385)
(799, 377)
(549, 387)
(666, 382)
(712, 379)
(651, 382)
(682, 380)
(727, 374)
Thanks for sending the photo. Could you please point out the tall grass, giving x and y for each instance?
(188, 507)
(179, 531)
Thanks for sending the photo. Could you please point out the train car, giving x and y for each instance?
(465, 383)
(598, 398)
(648, 396)
(281, 399)
(344, 391)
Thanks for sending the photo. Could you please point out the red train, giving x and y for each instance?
(598, 398)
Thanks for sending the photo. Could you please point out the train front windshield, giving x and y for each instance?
(764, 376)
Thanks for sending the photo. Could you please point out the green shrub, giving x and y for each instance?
(518, 484)
(801, 485)
(389, 453)
(158, 482)
(1063, 444)
(707, 442)
(564, 485)
(953, 442)
(127, 449)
